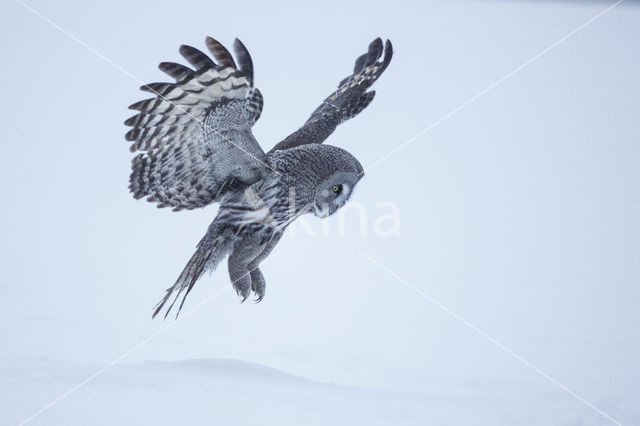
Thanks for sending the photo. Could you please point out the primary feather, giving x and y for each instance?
(195, 135)
(347, 101)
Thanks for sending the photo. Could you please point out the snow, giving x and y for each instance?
(225, 391)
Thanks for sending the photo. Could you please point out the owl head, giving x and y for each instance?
(320, 177)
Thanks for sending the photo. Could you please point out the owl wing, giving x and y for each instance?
(194, 136)
(347, 101)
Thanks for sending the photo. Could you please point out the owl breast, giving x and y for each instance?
(263, 206)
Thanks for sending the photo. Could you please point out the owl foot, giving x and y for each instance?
(243, 268)
(258, 284)
(242, 286)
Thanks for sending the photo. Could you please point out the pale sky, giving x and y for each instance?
(518, 212)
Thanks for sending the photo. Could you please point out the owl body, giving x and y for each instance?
(255, 217)
(196, 147)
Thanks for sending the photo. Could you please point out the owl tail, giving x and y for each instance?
(213, 247)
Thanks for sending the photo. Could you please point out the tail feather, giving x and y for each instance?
(211, 250)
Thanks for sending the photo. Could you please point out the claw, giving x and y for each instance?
(258, 284)
(243, 294)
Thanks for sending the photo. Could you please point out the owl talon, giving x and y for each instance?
(258, 284)
(243, 293)
(243, 287)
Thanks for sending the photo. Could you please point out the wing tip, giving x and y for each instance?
(219, 52)
(196, 57)
(388, 53)
(244, 59)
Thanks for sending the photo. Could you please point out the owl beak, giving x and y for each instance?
(321, 211)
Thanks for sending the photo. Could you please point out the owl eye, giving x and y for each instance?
(337, 189)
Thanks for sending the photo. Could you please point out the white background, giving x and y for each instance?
(520, 213)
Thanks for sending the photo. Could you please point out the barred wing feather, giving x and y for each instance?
(194, 136)
(347, 101)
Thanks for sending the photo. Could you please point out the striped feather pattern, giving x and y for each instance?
(347, 101)
(194, 135)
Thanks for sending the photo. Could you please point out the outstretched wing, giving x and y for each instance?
(195, 134)
(349, 99)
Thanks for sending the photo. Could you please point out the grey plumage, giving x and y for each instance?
(196, 147)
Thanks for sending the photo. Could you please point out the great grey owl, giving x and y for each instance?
(196, 148)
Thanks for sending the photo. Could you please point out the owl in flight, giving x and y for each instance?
(196, 147)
